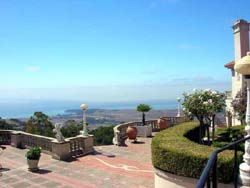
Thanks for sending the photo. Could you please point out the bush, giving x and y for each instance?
(230, 134)
(103, 135)
(224, 136)
(34, 153)
(173, 152)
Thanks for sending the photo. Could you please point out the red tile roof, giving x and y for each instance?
(230, 65)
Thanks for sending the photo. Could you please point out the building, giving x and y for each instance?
(241, 47)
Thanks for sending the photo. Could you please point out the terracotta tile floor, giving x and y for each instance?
(108, 167)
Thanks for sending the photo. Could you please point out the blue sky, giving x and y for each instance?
(115, 50)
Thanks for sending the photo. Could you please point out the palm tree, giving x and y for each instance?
(143, 108)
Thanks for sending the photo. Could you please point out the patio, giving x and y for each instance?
(109, 166)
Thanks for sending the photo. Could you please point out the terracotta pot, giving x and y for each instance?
(131, 132)
(33, 164)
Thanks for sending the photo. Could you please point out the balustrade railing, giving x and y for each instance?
(31, 140)
(175, 120)
(228, 94)
(5, 137)
(74, 146)
(120, 134)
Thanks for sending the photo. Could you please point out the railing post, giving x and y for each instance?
(235, 166)
(60, 150)
(214, 174)
(88, 144)
(208, 182)
(16, 139)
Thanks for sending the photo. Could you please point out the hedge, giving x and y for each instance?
(173, 152)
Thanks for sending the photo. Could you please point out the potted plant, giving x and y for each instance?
(33, 156)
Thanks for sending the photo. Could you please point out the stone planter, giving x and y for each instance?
(32, 164)
(144, 131)
(164, 179)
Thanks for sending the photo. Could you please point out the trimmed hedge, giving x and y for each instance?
(173, 152)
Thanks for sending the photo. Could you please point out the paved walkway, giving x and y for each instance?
(108, 167)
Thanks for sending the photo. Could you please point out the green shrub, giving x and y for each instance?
(225, 135)
(174, 153)
(230, 134)
(103, 135)
(34, 153)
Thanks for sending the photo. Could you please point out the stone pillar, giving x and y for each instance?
(16, 139)
(241, 47)
(88, 144)
(144, 131)
(244, 175)
(60, 150)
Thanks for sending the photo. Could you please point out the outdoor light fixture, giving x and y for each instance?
(84, 108)
(243, 67)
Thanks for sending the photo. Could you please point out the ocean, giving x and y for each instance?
(24, 109)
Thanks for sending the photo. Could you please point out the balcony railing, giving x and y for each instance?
(79, 146)
(208, 177)
(228, 94)
(5, 137)
(120, 134)
(31, 140)
(71, 147)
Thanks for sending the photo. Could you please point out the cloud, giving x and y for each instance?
(166, 88)
(200, 82)
(32, 68)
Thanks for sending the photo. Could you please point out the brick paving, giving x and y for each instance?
(108, 167)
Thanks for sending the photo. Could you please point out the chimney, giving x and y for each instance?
(241, 38)
(241, 47)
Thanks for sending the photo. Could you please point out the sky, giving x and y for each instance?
(115, 50)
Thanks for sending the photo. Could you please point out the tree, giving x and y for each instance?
(239, 105)
(39, 124)
(70, 129)
(5, 125)
(204, 105)
(103, 135)
(143, 108)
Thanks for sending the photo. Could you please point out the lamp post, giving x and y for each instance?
(179, 107)
(243, 67)
(84, 108)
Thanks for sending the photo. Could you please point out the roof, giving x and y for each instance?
(230, 65)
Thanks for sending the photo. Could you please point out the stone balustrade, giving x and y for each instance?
(5, 137)
(228, 94)
(81, 145)
(176, 120)
(71, 147)
(120, 134)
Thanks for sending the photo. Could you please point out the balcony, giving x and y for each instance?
(108, 166)
(228, 94)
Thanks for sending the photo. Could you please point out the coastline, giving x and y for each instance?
(25, 109)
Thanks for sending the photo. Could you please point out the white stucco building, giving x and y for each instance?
(241, 47)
